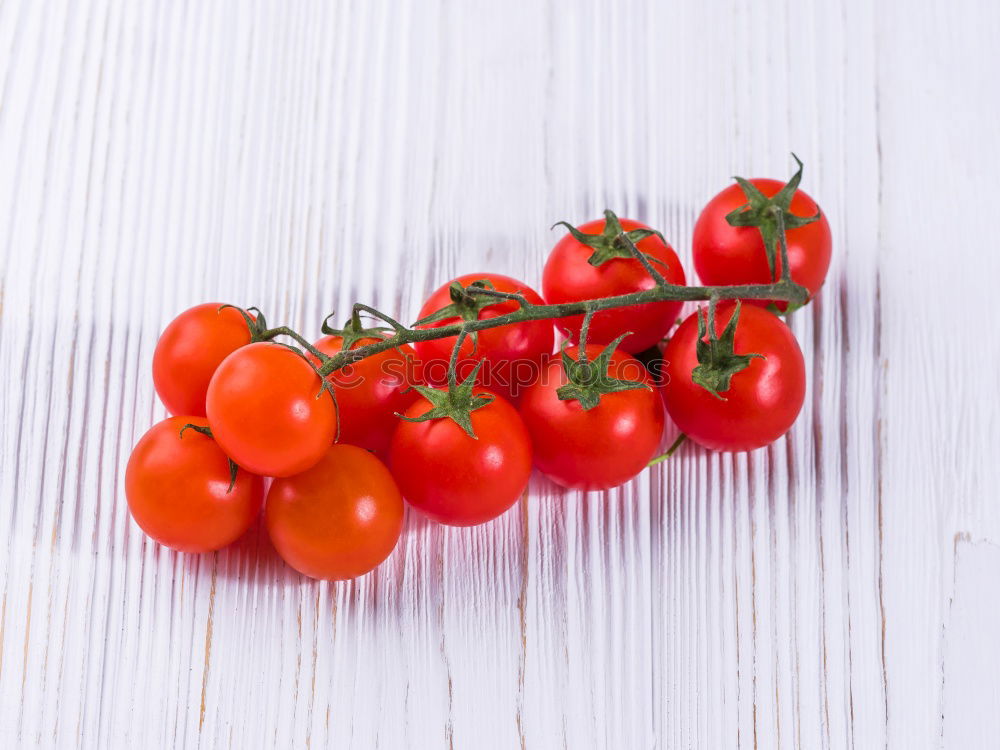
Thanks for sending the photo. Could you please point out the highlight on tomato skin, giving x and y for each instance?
(189, 351)
(337, 520)
(456, 479)
(178, 489)
(512, 354)
(268, 411)
(599, 448)
(762, 401)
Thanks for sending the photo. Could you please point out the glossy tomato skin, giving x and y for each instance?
(458, 480)
(177, 489)
(568, 277)
(598, 448)
(371, 391)
(763, 400)
(512, 354)
(338, 519)
(188, 352)
(725, 255)
(266, 410)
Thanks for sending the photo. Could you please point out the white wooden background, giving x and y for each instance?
(840, 589)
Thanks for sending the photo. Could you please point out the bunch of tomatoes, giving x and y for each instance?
(454, 423)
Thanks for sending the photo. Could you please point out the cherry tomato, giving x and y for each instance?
(725, 254)
(371, 391)
(177, 487)
(512, 354)
(762, 401)
(338, 519)
(268, 412)
(189, 351)
(569, 277)
(597, 448)
(456, 479)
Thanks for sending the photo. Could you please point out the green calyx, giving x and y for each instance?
(456, 403)
(207, 432)
(464, 305)
(610, 243)
(771, 216)
(256, 324)
(718, 361)
(353, 332)
(589, 379)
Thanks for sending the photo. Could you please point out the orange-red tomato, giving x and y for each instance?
(597, 448)
(177, 487)
(763, 399)
(370, 392)
(725, 254)
(512, 355)
(339, 519)
(268, 411)
(569, 277)
(189, 351)
(456, 479)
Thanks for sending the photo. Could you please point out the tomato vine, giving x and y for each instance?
(461, 449)
(784, 289)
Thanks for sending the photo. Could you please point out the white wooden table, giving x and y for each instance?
(840, 589)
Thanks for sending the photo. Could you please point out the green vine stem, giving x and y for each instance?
(453, 362)
(784, 290)
(270, 333)
(670, 451)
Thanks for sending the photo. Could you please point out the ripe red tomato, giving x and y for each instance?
(569, 277)
(725, 254)
(371, 391)
(762, 401)
(189, 351)
(597, 448)
(268, 412)
(456, 479)
(512, 354)
(339, 519)
(177, 487)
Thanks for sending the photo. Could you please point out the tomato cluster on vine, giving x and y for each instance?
(330, 438)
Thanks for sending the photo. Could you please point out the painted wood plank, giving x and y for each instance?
(831, 591)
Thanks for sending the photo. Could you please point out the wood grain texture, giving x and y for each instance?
(837, 590)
